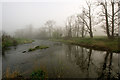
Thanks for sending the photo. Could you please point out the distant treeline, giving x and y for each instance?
(102, 14)
(49, 30)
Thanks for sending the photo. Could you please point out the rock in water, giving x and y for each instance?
(23, 51)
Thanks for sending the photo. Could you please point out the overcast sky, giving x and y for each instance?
(16, 14)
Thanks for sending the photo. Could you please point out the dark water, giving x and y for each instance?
(61, 60)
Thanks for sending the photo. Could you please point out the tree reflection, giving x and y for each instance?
(80, 56)
(110, 64)
(89, 60)
(107, 71)
(80, 59)
(84, 58)
(69, 53)
(104, 66)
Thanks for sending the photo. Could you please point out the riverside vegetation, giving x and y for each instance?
(8, 41)
(39, 75)
(97, 43)
(38, 47)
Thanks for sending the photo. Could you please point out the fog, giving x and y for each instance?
(31, 26)
(17, 15)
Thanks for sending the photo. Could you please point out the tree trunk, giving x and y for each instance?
(112, 18)
(83, 31)
(91, 34)
(70, 33)
(90, 23)
(83, 26)
(119, 26)
(78, 31)
(107, 25)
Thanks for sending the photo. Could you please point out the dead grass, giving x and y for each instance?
(9, 74)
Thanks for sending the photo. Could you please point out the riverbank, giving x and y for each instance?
(23, 40)
(67, 61)
(15, 41)
(98, 43)
(8, 41)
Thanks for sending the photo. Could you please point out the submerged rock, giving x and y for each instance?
(38, 47)
(24, 52)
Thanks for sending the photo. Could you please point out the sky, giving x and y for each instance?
(17, 14)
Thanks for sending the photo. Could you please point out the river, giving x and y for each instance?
(61, 60)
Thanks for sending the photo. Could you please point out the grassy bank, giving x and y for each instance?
(14, 42)
(97, 43)
(8, 41)
(38, 47)
(23, 40)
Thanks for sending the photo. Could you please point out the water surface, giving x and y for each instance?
(61, 60)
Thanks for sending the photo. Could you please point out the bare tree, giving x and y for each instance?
(81, 21)
(83, 26)
(50, 24)
(76, 26)
(114, 17)
(89, 15)
(42, 33)
(29, 31)
(90, 20)
(112, 3)
(104, 4)
(119, 17)
(69, 25)
(57, 33)
(119, 26)
(87, 19)
(110, 11)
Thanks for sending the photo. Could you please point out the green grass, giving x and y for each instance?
(23, 41)
(14, 41)
(39, 75)
(38, 47)
(98, 43)
(8, 41)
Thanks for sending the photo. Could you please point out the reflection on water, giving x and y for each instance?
(60, 60)
(84, 58)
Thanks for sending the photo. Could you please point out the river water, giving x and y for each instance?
(61, 60)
